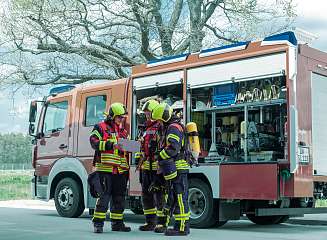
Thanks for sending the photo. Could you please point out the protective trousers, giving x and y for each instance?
(154, 197)
(114, 186)
(178, 202)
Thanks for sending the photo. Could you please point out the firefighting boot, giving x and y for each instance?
(150, 223)
(163, 222)
(119, 226)
(97, 227)
(177, 230)
(160, 228)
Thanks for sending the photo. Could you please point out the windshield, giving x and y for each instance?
(55, 117)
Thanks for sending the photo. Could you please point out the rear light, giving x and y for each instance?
(34, 157)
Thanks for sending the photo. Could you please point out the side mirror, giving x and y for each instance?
(33, 111)
(31, 129)
(33, 118)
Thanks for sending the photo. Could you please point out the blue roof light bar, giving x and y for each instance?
(61, 89)
(288, 38)
(224, 49)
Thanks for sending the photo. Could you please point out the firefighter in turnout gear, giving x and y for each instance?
(173, 165)
(153, 190)
(111, 164)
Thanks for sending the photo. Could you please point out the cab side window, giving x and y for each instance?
(95, 108)
(55, 117)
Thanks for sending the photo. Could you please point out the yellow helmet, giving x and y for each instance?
(150, 105)
(117, 109)
(162, 112)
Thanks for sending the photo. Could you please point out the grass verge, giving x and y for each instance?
(321, 203)
(15, 185)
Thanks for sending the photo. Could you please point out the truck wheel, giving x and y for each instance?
(69, 199)
(91, 211)
(204, 212)
(220, 223)
(135, 205)
(137, 211)
(306, 202)
(264, 220)
(283, 219)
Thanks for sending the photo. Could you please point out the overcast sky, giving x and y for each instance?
(312, 17)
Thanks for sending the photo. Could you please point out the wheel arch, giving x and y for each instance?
(200, 176)
(209, 175)
(61, 176)
(68, 167)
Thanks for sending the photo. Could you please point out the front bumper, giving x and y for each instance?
(39, 187)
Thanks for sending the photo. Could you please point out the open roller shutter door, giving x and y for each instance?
(160, 80)
(319, 123)
(240, 70)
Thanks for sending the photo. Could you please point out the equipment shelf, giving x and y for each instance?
(241, 106)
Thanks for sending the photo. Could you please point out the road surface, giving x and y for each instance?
(45, 224)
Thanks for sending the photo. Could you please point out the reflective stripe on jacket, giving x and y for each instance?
(102, 139)
(172, 154)
(150, 145)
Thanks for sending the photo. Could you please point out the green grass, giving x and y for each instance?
(321, 203)
(15, 185)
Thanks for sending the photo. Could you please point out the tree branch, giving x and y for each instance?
(144, 25)
(215, 32)
(67, 78)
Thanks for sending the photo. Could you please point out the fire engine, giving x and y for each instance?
(259, 108)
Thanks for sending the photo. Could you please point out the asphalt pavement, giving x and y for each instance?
(45, 224)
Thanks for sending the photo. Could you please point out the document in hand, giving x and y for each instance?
(129, 145)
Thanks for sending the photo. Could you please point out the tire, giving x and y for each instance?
(220, 223)
(283, 219)
(303, 202)
(69, 199)
(204, 211)
(137, 211)
(91, 211)
(264, 220)
(135, 205)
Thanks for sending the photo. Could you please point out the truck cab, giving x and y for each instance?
(62, 155)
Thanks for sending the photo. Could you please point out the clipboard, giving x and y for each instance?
(129, 145)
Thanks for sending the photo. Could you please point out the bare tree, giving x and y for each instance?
(74, 41)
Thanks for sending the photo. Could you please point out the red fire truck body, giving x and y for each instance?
(263, 139)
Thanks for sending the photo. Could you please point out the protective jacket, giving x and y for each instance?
(172, 155)
(106, 158)
(151, 146)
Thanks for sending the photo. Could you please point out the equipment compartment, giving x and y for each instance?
(249, 128)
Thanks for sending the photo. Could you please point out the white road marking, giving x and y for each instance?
(27, 230)
(6, 223)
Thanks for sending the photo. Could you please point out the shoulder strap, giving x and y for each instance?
(103, 126)
(178, 126)
(181, 128)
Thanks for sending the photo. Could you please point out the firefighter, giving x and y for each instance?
(111, 163)
(153, 190)
(174, 167)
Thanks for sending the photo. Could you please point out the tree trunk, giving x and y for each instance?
(196, 35)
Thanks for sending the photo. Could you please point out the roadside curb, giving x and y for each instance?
(28, 204)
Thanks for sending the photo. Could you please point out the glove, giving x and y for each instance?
(118, 146)
(96, 189)
(154, 188)
(156, 185)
